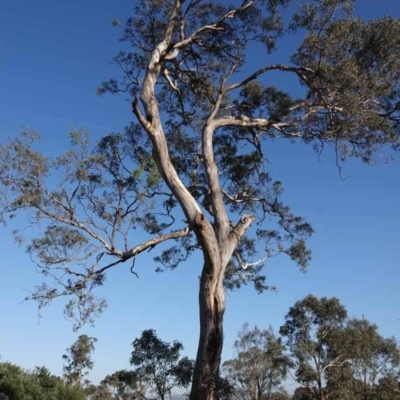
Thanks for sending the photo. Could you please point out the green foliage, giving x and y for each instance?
(39, 384)
(388, 388)
(158, 364)
(86, 199)
(124, 385)
(374, 361)
(358, 76)
(281, 395)
(331, 357)
(302, 393)
(224, 388)
(99, 392)
(311, 333)
(77, 360)
(338, 358)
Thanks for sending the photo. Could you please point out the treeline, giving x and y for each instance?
(319, 350)
(318, 354)
(19, 384)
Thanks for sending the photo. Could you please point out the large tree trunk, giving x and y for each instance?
(217, 241)
(212, 308)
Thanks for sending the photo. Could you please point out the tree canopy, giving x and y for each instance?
(158, 364)
(334, 357)
(259, 367)
(19, 384)
(124, 385)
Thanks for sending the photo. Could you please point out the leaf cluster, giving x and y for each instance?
(38, 384)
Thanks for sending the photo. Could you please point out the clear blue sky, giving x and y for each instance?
(53, 55)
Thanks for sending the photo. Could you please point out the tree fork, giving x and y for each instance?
(211, 310)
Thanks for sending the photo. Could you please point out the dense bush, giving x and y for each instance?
(19, 384)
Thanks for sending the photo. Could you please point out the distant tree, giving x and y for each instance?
(259, 366)
(158, 364)
(302, 393)
(336, 358)
(192, 169)
(372, 356)
(125, 385)
(340, 382)
(78, 360)
(98, 392)
(312, 331)
(282, 394)
(224, 389)
(371, 359)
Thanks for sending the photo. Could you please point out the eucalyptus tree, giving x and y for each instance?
(335, 358)
(192, 167)
(124, 385)
(259, 366)
(374, 361)
(313, 334)
(78, 361)
(158, 364)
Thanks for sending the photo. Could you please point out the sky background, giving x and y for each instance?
(53, 56)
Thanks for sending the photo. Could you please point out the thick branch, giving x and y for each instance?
(149, 244)
(171, 23)
(235, 235)
(300, 71)
(218, 207)
(152, 124)
(245, 121)
(240, 198)
(334, 363)
(242, 226)
(155, 241)
(253, 264)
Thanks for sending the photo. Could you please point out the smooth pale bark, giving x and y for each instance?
(217, 241)
(212, 308)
